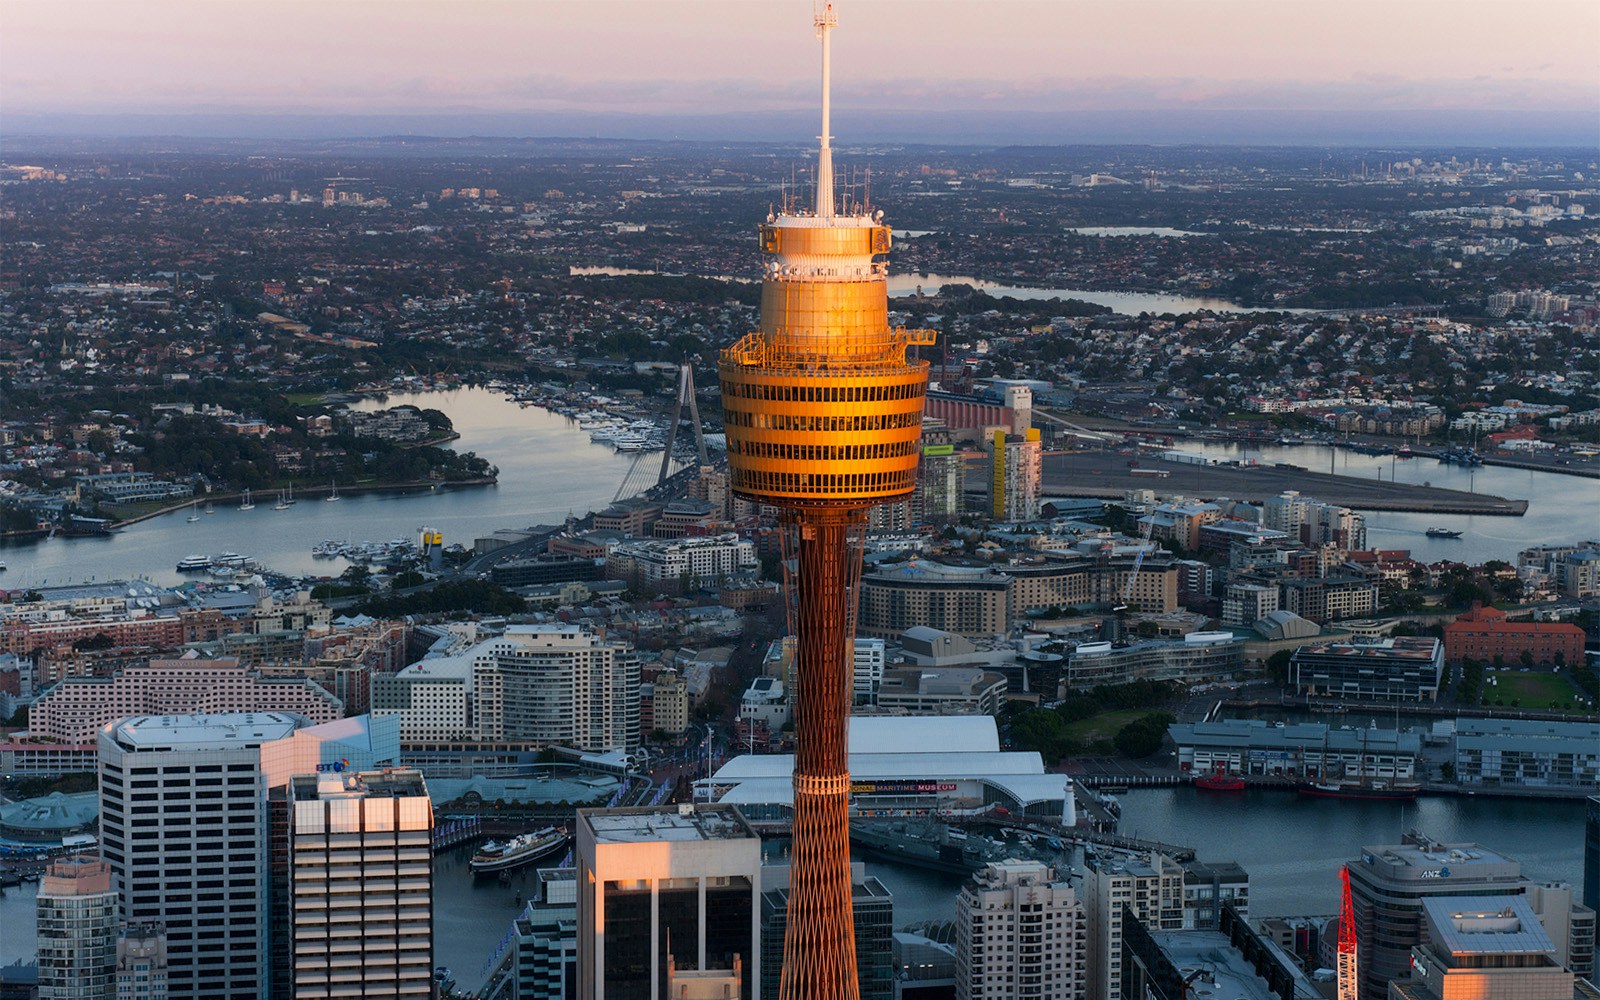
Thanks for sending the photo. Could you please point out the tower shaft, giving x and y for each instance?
(819, 953)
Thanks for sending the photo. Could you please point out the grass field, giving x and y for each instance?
(1104, 727)
(304, 398)
(1534, 689)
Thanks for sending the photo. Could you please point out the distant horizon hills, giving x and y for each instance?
(1389, 128)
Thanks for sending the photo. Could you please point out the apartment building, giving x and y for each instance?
(75, 709)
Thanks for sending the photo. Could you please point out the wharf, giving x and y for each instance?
(1108, 475)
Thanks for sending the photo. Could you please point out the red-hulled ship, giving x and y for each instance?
(1220, 780)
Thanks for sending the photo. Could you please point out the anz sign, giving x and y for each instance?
(1441, 873)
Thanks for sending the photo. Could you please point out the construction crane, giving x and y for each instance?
(1349, 971)
(1138, 561)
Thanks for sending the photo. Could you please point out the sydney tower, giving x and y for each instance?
(823, 414)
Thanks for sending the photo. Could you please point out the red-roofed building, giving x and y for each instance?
(1484, 633)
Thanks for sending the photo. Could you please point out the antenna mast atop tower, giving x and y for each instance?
(825, 20)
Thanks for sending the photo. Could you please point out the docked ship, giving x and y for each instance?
(194, 564)
(524, 849)
(1359, 790)
(1220, 780)
(926, 845)
(1442, 533)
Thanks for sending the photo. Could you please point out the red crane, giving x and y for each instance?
(1349, 986)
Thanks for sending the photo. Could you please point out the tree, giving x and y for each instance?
(1142, 737)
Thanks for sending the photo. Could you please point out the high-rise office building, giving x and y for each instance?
(823, 413)
(360, 885)
(1014, 476)
(658, 882)
(940, 482)
(873, 907)
(1388, 884)
(142, 963)
(77, 930)
(183, 826)
(1485, 947)
(1151, 886)
(1591, 853)
(1020, 933)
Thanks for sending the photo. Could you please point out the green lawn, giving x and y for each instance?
(1104, 727)
(1538, 688)
(304, 398)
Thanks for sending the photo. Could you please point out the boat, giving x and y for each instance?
(282, 504)
(1220, 780)
(194, 564)
(929, 845)
(194, 512)
(288, 497)
(331, 497)
(2, 567)
(245, 504)
(1442, 533)
(1358, 790)
(210, 508)
(1361, 787)
(524, 849)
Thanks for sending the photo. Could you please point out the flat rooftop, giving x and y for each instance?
(1486, 925)
(221, 731)
(1220, 969)
(667, 823)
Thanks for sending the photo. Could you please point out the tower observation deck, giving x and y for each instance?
(822, 410)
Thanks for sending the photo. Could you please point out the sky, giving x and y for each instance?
(690, 59)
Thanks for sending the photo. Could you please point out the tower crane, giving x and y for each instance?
(1349, 970)
(1138, 561)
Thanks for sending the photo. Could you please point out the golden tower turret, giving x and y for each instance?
(823, 415)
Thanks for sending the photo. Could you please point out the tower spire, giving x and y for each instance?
(825, 19)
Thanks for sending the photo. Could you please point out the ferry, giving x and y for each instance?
(524, 849)
(1442, 533)
(194, 564)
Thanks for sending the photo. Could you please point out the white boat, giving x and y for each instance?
(194, 512)
(331, 497)
(209, 508)
(524, 849)
(282, 504)
(193, 564)
(288, 497)
(245, 504)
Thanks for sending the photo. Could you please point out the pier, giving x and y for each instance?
(1108, 475)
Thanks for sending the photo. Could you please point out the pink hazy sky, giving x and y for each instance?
(672, 57)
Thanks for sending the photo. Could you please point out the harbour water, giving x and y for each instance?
(1291, 846)
(902, 285)
(1560, 508)
(548, 468)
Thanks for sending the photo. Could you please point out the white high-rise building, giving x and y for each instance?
(1014, 466)
(658, 882)
(77, 931)
(183, 827)
(360, 893)
(870, 657)
(1151, 886)
(544, 684)
(1284, 512)
(1020, 933)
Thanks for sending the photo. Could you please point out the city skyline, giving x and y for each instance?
(1022, 70)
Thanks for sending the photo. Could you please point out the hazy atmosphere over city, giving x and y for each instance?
(791, 501)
